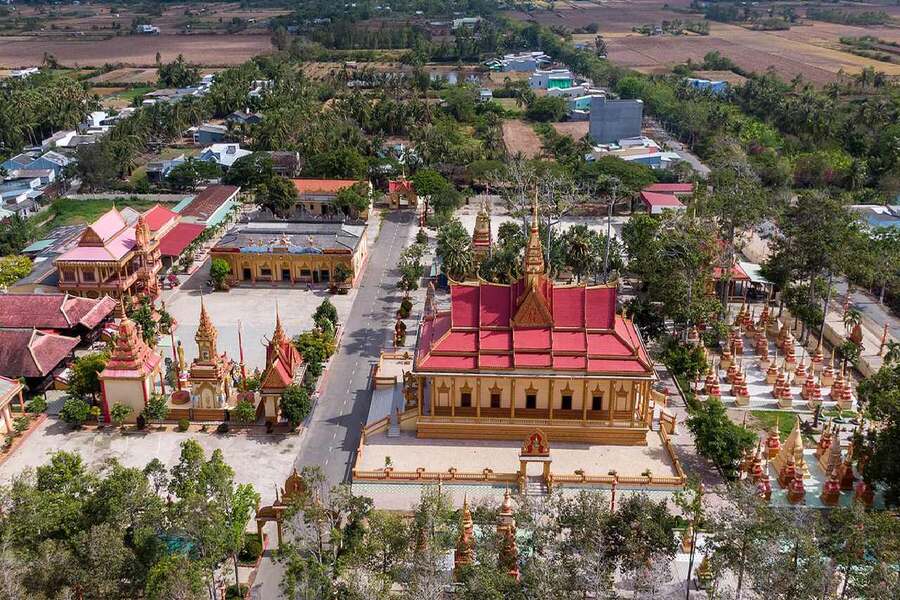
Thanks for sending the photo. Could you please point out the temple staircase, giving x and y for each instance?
(535, 486)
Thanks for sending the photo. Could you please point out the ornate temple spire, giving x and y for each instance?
(206, 335)
(429, 309)
(131, 353)
(465, 546)
(278, 337)
(534, 251)
(509, 554)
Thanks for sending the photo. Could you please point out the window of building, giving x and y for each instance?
(530, 400)
(305, 273)
(597, 402)
(465, 399)
(325, 276)
(567, 401)
(247, 274)
(265, 272)
(88, 276)
(495, 399)
(68, 275)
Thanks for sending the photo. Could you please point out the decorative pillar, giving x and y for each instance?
(610, 388)
(550, 399)
(512, 398)
(631, 403)
(478, 397)
(453, 396)
(584, 400)
(420, 393)
(7, 420)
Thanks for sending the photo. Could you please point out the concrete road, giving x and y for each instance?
(334, 428)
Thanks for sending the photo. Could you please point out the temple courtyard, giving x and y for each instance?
(254, 308)
(259, 459)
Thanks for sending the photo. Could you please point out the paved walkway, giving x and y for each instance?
(334, 428)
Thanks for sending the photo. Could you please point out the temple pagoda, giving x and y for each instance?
(506, 359)
(130, 372)
(481, 235)
(284, 367)
(210, 372)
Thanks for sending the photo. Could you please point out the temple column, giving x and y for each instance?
(584, 399)
(420, 393)
(512, 398)
(550, 399)
(431, 402)
(7, 420)
(453, 396)
(631, 403)
(478, 397)
(610, 399)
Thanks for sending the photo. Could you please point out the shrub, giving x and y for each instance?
(222, 428)
(251, 550)
(141, 421)
(718, 438)
(326, 310)
(183, 424)
(219, 271)
(38, 404)
(405, 307)
(75, 412)
(421, 237)
(20, 424)
(244, 412)
(295, 404)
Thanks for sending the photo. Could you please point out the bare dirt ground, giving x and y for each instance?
(611, 15)
(574, 129)
(212, 50)
(127, 75)
(520, 137)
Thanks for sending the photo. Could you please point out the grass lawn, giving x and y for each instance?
(766, 419)
(132, 93)
(73, 212)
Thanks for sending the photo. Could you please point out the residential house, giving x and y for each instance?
(522, 62)
(19, 161)
(258, 87)
(641, 150)
(147, 29)
(158, 170)
(716, 87)
(550, 79)
(24, 73)
(244, 117)
(208, 134)
(224, 155)
(51, 160)
(316, 196)
(286, 163)
(485, 95)
(614, 120)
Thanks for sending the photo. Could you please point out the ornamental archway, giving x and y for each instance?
(535, 449)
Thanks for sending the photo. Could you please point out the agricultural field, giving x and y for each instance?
(519, 136)
(126, 76)
(213, 50)
(811, 49)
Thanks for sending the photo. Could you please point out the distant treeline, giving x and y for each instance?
(833, 15)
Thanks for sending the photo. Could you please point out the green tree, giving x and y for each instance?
(295, 404)
(326, 310)
(142, 316)
(84, 381)
(353, 200)
(244, 412)
(251, 171)
(718, 438)
(75, 412)
(546, 109)
(175, 576)
(454, 247)
(341, 163)
(119, 413)
(880, 394)
(157, 408)
(16, 233)
(219, 270)
(178, 74)
(429, 181)
(190, 173)
(13, 268)
(277, 195)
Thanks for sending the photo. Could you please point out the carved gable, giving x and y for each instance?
(533, 311)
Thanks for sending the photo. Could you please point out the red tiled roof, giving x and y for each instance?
(53, 311)
(180, 236)
(737, 273)
(132, 357)
(400, 185)
(323, 186)
(158, 216)
(32, 353)
(478, 332)
(209, 200)
(660, 200)
(670, 188)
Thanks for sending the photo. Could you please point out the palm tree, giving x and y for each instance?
(892, 353)
(457, 257)
(852, 318)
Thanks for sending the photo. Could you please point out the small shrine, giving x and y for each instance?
(130, 372)
(284, 367)
(210, 372)
(481, 235)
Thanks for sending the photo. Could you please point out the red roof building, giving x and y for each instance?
(179, 238)
(316, 196)
(556, 355)
(33, 354)
(209, 206)
(284, 367)
(670, 188)
(61, 313)
(657, 202)
(130, 373)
